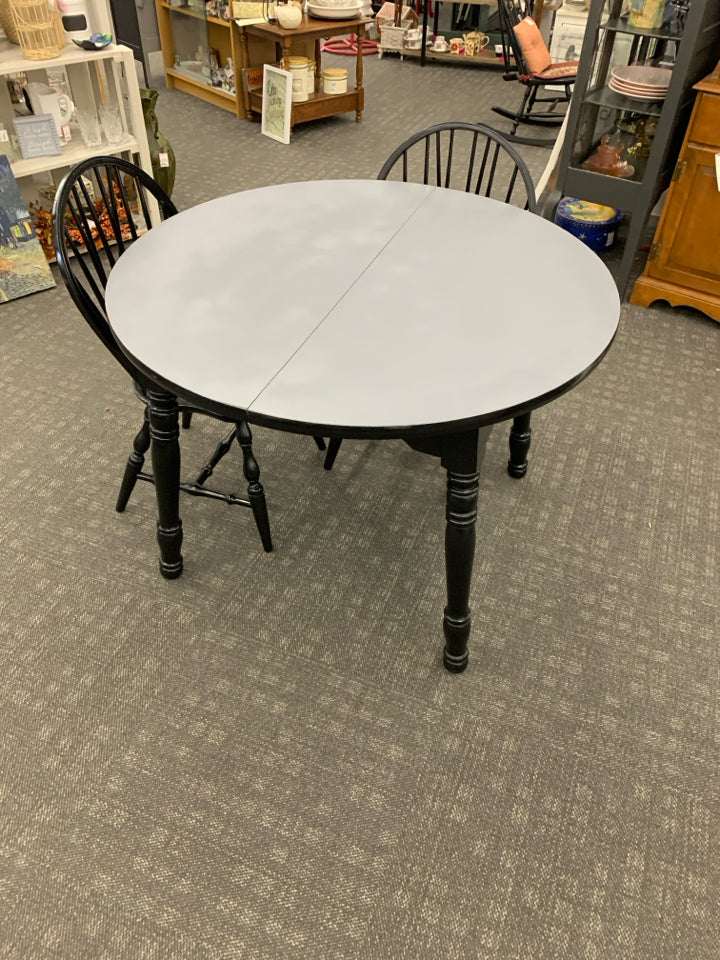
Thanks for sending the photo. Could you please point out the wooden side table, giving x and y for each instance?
(319, 104)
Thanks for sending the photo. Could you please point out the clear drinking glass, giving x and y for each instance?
(89, 127)
(112, 123)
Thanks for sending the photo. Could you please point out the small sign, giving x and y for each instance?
(164, 159)
(276, 103)
(253, 78)
(37, 136)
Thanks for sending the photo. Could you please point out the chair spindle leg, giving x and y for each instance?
(256, 493)
(520, 434)
(220, 451)
(332, 452)
(135, 464)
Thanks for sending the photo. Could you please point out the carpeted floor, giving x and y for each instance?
(265, 758)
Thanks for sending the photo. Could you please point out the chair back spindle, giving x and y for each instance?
(101, 208)
(463, 156)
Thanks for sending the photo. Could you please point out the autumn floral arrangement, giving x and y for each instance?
(100, 227)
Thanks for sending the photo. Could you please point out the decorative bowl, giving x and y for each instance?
(96, 42)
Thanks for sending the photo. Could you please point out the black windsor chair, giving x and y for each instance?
(102, 206)
(534, 69)
(477, 159)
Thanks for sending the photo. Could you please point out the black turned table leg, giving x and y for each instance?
(519, 446)
(462, 457)
(165, 453)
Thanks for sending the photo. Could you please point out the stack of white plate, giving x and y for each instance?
(640, 82)
(334, 9)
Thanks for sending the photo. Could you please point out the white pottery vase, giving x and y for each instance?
(289, 15)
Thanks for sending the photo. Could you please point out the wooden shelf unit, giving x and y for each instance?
(84, 69)
(488, 57)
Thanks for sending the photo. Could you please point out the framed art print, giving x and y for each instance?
(276, 103)
(23, 267)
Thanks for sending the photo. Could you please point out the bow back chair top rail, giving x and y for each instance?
(463, 156)
(101, 207)
(477, 159)
(528, 60)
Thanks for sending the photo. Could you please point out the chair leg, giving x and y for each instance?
(332, 452)
(256, 493)
(320, 443)
(186, 418)
(220, 451)
(135, 463)
(520, 434)
(525, 108)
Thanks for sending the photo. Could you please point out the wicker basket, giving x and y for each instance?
(392, 38)
(40, 30)
(7, 22)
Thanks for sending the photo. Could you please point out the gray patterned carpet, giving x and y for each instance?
(265, 758)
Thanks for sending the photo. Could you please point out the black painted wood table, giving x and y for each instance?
(361, 309)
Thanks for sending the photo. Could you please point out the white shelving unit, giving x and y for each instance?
(92, 76)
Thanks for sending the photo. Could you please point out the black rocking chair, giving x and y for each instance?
(541, 72)
(477, 159)
(102, 206)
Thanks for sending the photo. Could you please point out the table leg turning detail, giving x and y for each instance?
(461, 455)
(165, 453)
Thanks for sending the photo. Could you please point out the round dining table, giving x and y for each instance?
(361, 309)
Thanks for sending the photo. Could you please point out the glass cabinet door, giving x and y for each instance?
(190, 36)
(202, 42)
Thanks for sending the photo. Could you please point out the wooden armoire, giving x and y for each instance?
(683, 266)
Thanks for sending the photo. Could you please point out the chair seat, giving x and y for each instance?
(556, 72)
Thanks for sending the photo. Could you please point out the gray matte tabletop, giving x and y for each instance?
(362, 304)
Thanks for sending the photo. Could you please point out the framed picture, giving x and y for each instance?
(37, 136)
(23, 267)
(276, 103)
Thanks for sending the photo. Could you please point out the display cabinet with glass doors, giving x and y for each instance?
(630, 107)
(198, 41)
